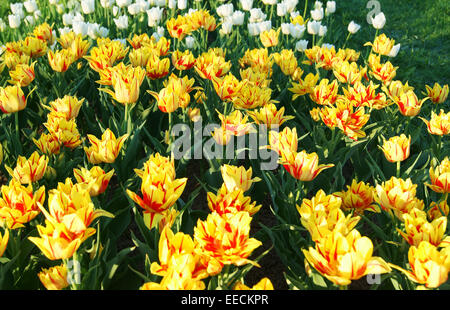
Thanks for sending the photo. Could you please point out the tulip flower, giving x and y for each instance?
(12, 59)
(4, 242)
(263, 284)
(269, 38)
(237, 177)
(381, 45)
(183, 60)
(33, 47)
(29, 170)
(418, 229)
(429, 266)
(251, 96)
(303, 166)
(437, 94)
(398, 196)
(379, 21)
(23, 74)
(408, 103)
(105, 150)
(18, 204)
(68, 105)
(126, 85)
(438, 210)
(287, 61)
(360, 95)
(47, 144)
(63, 130)
(179, 27)
(382, 72)
(12, 99)
(358, 197)
(231, 201)
(353, 27)
(325, 93)
(342, 259)
(304, 86)
(44, 32)
(440, 177)
(168, 100)
(156, 67)
(269, 116)
(225, 239)
(96, 178)
(439, 124)
(397, 148)
(227, 86)
(348, 72)
(60, 60)
(210, 64)
(54, 278)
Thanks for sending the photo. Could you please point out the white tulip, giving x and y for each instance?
(318, 5)
(379, 21)
(154, 16)
(67, 19)
(92, 31)
(226, 28)
(160, 30)
(160, 3)
(37, 14)
(238, 18)
(353, 27)
(172, 4)
(60, 8)
(270, 2)
(17, 9)
(301, 45)
(190, 41)
(30, 6)
(80, 27)
(77, 18)
(115, 10)
(103, 32)
(14, 21)
(29, 20)
(134, 9)
(281, 9)
(257, 15)
(156, 36)
(182, 4)
(225, 10)
(322, 31)
(317, 14)
(253, 29)
(121, 22)
(285, 28)
(296, 30)
(294, 14)
(246, 4)
(331, 8)
(327, 46)
(123, 3)
(88, 6)
(394, 50)
(291, 5)
(313, 27)
(2, 28)
(143, 5)
(65, 30)
(106, 3)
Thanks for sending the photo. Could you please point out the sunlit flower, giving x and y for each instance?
(63, 130)
(438, 210)
(105, 150)
(382, 72)
(60, 60)
(263, 284)
(359, 197)
(303, 166)
(126, 85)
(408, 103)
(96, 178)
(29, 170)
(342, 259)
(18, 204)
(157, 67)
(439, 124)
(440, 177)
(269, 115)
(437, 94)
(183, 60)
(68, 105)
(23, 74)
(4, 242)
(397, 148)
(54, 278)
(231, 201)
(381, 45)
(304, 86)
(12, 99)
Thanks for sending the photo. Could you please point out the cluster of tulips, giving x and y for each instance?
(77, 123)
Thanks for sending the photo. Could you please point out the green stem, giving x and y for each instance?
(306, 7)
(398, 169)
(16, 120)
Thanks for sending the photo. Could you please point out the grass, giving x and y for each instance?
(422, 28)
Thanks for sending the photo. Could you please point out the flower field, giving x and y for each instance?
(221, 145)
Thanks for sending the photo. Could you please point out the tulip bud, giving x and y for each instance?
(379, 21)
(353, 27)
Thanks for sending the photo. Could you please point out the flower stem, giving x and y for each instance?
(398, 170)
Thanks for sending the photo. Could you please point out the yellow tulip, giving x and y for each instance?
(286, 60)
(440, 177)
(251, 96)
(237, 177)
(429, 266)
(408, 103)
(418, 229)
(79, 47)
(381, 45)
(96, 178)
(303, 166)
(360, 95)
(29, 170)
(263, 284)
(225, 239)
(139, 40)
(227, 86)
(19, 204)
(139, 57)
(183, 60)
(284, 143)
(438, 210)
(12, 59)
(105, 150)
(23, 74)
(68, 105)
(60, 60)
(63, 130)
(398, 195)
(348, 72)
(12, 99)
(269, 115)
(104, 55)
(231, 201)
(44, 32)
(382, 72)
(254, 76)
(305, 86)
(33, 47)
(397, 148)
(212, 63)
(126, 85)
(168, 100)
(157, 67)
(439, 124)
(437, 94)
(269, 38)
(342, 259)
(325, 93)
(54, 278)
(179, 27)
(358, 197)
